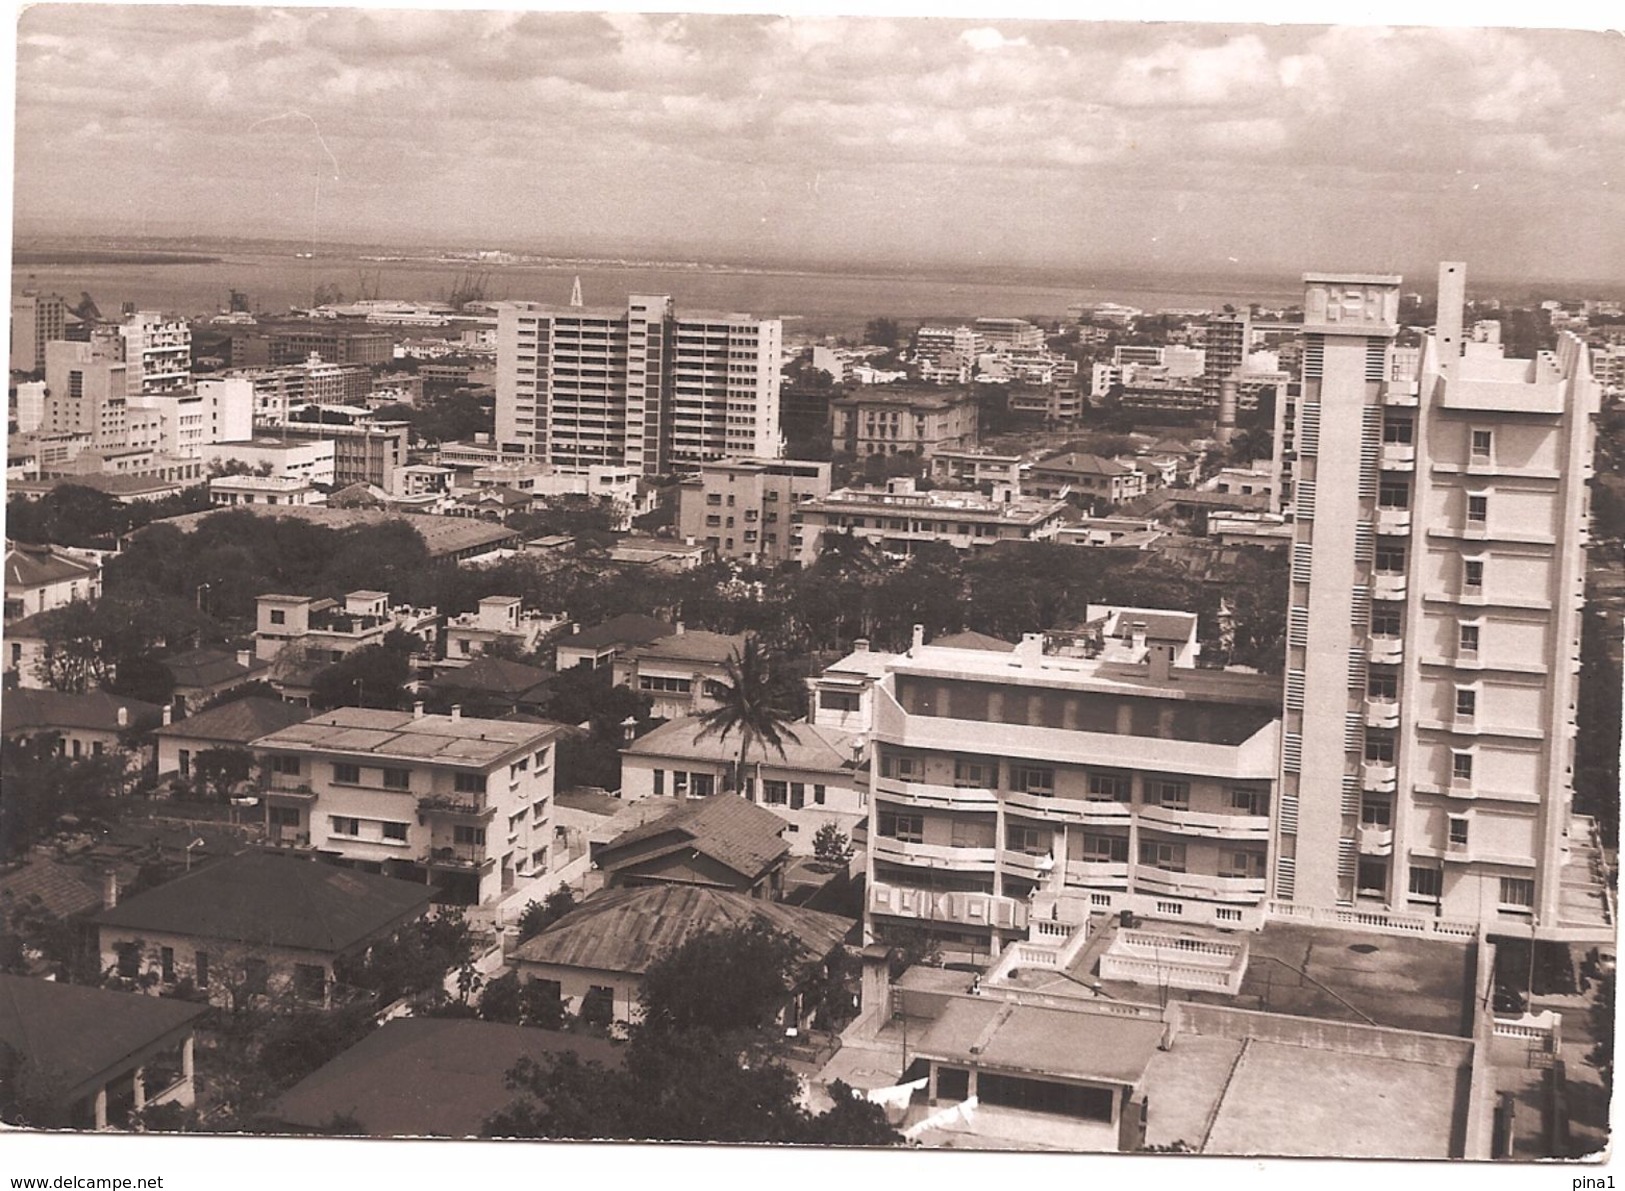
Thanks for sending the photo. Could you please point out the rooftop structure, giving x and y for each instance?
(897, 517)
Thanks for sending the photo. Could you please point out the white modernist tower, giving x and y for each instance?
(1440, 512)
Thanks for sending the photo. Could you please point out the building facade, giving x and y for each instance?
(746, 509)
(897, 517)
(899, 418)
(36, 319)
(1434, 628)
(643, 387)
(158, 350)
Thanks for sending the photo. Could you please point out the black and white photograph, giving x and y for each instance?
(1029, 582)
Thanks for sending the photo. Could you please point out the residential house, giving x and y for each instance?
(499, 618)
(596, 955)
(27, 649)
(818, 778)
(256, 924)
(493, 686)
(95, 1059)
(93, 724)
(659, 554)
(679, 672)
(720, 843)
(461, 802)
(599, 646)
(426, 1077)
(202, 675)
(234, 725)
(39, 578)
(1091, 476)
(321, 630)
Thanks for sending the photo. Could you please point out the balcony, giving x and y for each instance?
(1222, 826)
(1202, 885)
(1385, 585)
(964, 860)
(928, 794)
(286, 789)
(1066, 810)
(277, 836)
(461, 857)
(963, 908)
(1378, 776)
(1394, 522)
(1032, 865)
(1398, 456)
(463, 806)
(1385, 651)
(1381, 713)
(1097, 872)
(1376, 840)
(1400, 393)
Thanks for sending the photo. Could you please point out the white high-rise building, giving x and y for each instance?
(159, 352)
(1439, 521)
(641, 386)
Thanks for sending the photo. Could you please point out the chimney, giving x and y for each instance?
(1031, 650)
(245, 658)
(456, 711)
(124, 717)
(417, 710)
(169, 714)
(1138, 635)
(919, 637)
(1161, 661)
(109, 888)
(678, 628)
(861, 645)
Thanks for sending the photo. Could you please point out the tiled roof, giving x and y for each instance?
(238, 722)
(1080, 464)
(208, 667)
(975, 640)
(695, 645)
(625, 930)
(260, 899)
(73, 1033)
(492, 675)
(36, 566)
(814, 748)
(442, 536)
(726, 828)
(627, 629)
(427, 1077)
(32, 711)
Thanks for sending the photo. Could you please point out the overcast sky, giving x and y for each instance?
(998, 141)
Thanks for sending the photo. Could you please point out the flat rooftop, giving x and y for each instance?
(400, 735)
(998, 1035)
(1088, 673)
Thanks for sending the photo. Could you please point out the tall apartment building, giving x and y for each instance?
(643, 386)
(1008, 332)
(1011, 785)
(85, 390)
(748, 509)
(1439, 520)
(338, 345)
(1227, 342)
(36, 319)
(465, 804)
(159, 352)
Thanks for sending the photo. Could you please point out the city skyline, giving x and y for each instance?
(932, 143)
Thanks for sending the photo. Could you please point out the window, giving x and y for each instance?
(1517, 893)
(345, 825)
(310, 982)
(1109, 787)
(974, 775)
(1391, 560)
(1379, 748)
(541, 759)
(1426, 882)
(1371, 877)
(1467, 641)
(1249, 801)
(1032, 779)
(166, 962)
(200, 969)
(818, 795)
(470, 783)
(838, 700)
(278, 616)
(186, 762)
(1466, 702)
(1029, 840)
(1394, 496)
(1176, 796)
(798, 795)
(538, 809)
(462, 834)
(1385, 622)
(282, 816)
(702, 785)
(1478, 509)
(1458, 831)
(397, 779)
(520, 766)
(1472, 573)
(395, 831)
(285, 765)
(1376, 812)
(1383, 687)
(347, 775)
(256, 976)
(1461, 766)
(1105, 849)
(660, 783)
(907, 828)
(1397, 430)
(1169, 857)
(1244, 864)
(1481, 445)
(775, 793)
(905, 768)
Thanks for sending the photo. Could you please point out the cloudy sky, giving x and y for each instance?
(999, 141)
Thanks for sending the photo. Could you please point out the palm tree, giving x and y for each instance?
(745, 705)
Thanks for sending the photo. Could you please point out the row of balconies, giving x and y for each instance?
(1075, 811)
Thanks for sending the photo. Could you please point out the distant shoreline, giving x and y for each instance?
(95, 256)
